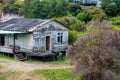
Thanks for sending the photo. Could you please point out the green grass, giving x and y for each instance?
(7, 75)
(6, 57)
(59, 61)
(57, 74)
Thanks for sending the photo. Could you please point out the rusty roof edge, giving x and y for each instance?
(47, 21)
(39, 25)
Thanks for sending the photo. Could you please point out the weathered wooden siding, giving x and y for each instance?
(60, 46)
(52, 29)
(52, 26)
(25, 41)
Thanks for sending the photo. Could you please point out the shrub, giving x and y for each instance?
(81, 16)
(91, 13)
(115, 21)
(112, 6)
(74, 8)
(73, 36)
(111, 10)
(72, 23)
(13, 7)
(91, 54)
(104, 3)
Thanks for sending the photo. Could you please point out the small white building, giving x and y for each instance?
(33, 36)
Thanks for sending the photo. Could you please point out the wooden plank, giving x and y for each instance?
(6, 49)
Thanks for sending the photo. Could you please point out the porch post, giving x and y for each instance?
(14, 43)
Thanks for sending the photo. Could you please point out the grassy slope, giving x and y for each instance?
(58, 74)
(6, 57)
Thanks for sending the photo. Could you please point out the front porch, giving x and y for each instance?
(24, 55)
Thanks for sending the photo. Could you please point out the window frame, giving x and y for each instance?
(40, 42)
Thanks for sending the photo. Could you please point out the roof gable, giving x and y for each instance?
(49, 26)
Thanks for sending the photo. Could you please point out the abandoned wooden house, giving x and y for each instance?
(35, 37)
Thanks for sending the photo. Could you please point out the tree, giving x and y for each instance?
(111, 9)
(36, 8)
(73, 36)
(95, 54)
(81, 16)
(74, 8)
(11, 6)
(45, 8)
(91, 13)
(115, 21)
(113, 4)
(72, 23)
(104, 3)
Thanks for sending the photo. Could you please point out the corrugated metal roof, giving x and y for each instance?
(21, 24)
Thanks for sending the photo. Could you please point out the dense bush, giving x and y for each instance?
(13, 7)
(82, 16)
(111, 10)
(74, 8)
(111, 6)
(36, 8)
(115, 21)
(96, 55)
(104, 3)
(73, 36)
(91, 13)
(72, 23)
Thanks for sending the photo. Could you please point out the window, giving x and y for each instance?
(36, 42)
(39, 42)
(60, 37)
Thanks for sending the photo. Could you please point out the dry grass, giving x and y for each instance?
(59, 74)
(18, 75)
(16, 70)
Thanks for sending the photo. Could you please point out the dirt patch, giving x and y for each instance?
(26, 67)
(16, 70)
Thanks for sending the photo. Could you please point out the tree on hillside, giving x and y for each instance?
(91, 13)
(72, 23)
(36, 8)
(96, 55)
(104, 3)
(111, 4)
(27, 8)
(74, 8)
(11, 6)
(46, 8)
(111, 10)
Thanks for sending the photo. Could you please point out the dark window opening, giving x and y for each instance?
(16, 36)
(60, 38)
(2, 40)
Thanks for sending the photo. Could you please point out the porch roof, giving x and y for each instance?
(10, 32)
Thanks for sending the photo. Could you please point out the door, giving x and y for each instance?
(47, 42)
(2, 40)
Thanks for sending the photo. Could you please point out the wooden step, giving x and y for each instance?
(20, 57)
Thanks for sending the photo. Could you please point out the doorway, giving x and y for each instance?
(47, 42)
(2, 40)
